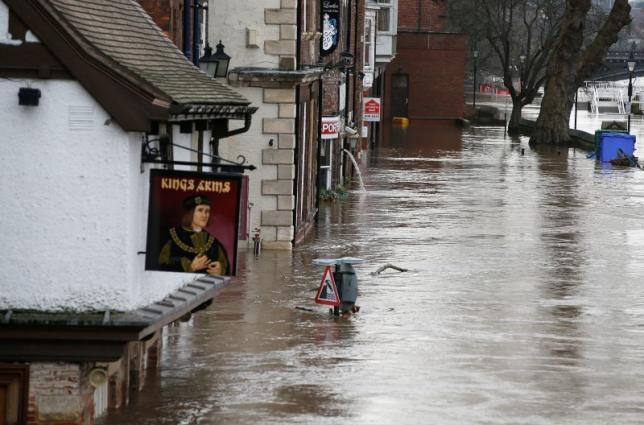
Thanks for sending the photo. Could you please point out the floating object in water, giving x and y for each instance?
(388, 266)
(624, 159)
(305, 309)
(400, 122)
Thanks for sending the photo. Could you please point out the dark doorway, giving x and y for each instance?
(14, 394)
(3, 405)
(400, 95)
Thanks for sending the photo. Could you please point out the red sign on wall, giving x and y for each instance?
(371, 109)
(330, 127)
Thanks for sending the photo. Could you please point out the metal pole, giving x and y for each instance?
(576, 107)
(474, 87)
(196, 32)
(630, 93)
(187, 26)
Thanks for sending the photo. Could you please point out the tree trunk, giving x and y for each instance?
(569, 67)
(554, 119)
(561, 82)
(515, 117)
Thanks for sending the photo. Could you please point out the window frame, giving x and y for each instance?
(15, 378)
(370, 41)
(390, 7)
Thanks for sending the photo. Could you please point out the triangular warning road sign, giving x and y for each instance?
(328, 292)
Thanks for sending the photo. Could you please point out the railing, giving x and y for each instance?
(606, 94)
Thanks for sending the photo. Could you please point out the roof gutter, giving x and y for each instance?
(248, 118)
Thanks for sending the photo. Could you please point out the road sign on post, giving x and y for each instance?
(328, 291)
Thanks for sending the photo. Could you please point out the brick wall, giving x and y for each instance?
(61, 394)
(57, 394)
(421, 15)
(330, 99)
(435, 64)
(168, 15)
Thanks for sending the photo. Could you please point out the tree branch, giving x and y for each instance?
(593, 56)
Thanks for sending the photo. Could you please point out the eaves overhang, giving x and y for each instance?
(130, 101)
(270, 76)
(97, 336)
(205, 112)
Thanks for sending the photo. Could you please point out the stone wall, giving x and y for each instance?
(271, 141)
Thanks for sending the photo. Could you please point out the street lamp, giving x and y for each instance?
(215, 65)
(475, 56)
(631, 68)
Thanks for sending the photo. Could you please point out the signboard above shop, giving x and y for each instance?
(330, 17)
(193, 222)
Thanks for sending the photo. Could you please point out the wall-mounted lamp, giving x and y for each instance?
(350, 131)
(28, 96)
(345, 64)
(215, 65)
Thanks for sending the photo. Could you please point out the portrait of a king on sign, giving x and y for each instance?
(193, 222)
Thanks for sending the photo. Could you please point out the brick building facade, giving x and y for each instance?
(426, 78)
(342, 94)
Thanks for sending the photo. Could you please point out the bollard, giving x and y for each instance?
(346, 282)
(257, 242)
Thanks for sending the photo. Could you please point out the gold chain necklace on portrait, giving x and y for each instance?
(188, 248)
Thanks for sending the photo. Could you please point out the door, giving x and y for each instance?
(400, 95)
(3, 404)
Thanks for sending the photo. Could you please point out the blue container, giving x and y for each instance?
(612, 142)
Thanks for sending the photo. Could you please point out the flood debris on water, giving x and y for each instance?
(388, 266)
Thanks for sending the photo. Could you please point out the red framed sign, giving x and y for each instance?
(193, 222)
(328, 292)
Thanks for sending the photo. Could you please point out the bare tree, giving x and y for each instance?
(516, 38)
(571, 64)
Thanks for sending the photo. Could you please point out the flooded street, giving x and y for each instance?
(523, 303)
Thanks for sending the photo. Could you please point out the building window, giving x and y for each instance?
(369, 43)
(326, 155)
(385, 15)
(14, 394)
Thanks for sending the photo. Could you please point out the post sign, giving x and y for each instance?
(330, 16)
(330, 127)
(193, 222)
(371, 109)
(328, 291)
(367, 81)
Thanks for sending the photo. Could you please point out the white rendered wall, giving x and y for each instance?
(73, 210)
(228, 23)
(251, 144)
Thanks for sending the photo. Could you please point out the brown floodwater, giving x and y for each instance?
(523, 302)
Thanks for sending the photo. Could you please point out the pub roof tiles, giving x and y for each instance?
(124, 32)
